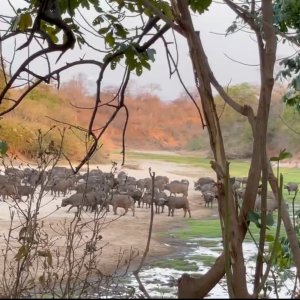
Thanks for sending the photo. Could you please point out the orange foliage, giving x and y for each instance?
(153, 124)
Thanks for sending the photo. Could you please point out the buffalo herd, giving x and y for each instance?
(96, 190)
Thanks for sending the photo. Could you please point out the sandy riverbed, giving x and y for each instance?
(124, 234)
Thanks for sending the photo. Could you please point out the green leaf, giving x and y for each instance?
(71, 7)
(98, 20)
(146, 64)
(130, 59)
(132, 66)
(151, 54)
(277, 247)
(81, 41)
(139, 70)
(120, 31)
(109, 39)
(85, 3)
(3, 147)
(232, 28)
(293, 100)
(166, 8)
(282, 155)
(270, 219)
(130, 7)
(147, 11)
(50, 31)
(296, 83)
(254, 217)
(113, 64)
(103, 30)
(63, 5)
(22, 252)
(107, 57)
(25, 21)
(111, 18)
(200, 5)
(269, 238)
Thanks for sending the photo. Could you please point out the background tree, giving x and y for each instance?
(53, 27)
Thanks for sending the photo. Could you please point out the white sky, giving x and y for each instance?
(212, 26)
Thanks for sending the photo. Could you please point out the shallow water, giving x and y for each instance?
(161, 282)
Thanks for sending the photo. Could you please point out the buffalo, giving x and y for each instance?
(178, 202)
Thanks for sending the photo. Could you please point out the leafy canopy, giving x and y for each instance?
(122, 42)
(287, 21)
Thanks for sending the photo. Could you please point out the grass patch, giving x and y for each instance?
(211, 229)
(187, 159)
(177, 264)
(206, 260)
(238, 167)
(209, 243)
(199, 228)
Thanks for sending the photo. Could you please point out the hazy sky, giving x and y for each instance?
(240, 47)
(212, 25)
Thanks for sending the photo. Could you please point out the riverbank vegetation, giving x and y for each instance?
(165, 128)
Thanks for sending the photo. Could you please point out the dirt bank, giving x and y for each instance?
(131, 232)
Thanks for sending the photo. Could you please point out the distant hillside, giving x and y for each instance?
(153, 124)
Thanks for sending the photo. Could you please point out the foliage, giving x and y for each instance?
(283, 154)
(200, 6)
(286, 15)
(283, 256)
(165, 127)
(55, 24)
(24, 140)
(256, 217)
(286, 19)
(45, 95)
(291, 70)
(286, 22)
(3, 148)
(41, 102)
(197, 143)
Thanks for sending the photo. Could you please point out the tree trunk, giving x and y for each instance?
(233, 255)
(235, 228)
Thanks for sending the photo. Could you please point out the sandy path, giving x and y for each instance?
(128, 233)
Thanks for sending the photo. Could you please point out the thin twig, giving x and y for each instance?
(136, 272)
